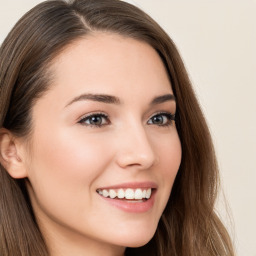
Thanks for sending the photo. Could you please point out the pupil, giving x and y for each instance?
(96, 120)
(158, 119)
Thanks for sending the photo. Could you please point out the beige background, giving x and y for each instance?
(217, 40)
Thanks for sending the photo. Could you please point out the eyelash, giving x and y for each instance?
(170, 119)
(101, 115)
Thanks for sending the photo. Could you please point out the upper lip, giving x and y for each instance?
(147, 184)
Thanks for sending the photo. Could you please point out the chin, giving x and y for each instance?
(136, 239)
(138, 243)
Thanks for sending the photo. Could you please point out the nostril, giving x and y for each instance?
(135, 149)
(136, 160)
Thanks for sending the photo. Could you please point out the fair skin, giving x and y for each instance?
(130, 142)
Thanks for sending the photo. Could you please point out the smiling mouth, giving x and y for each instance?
(130, 194)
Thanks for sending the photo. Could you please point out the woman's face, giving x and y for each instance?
(104, 130)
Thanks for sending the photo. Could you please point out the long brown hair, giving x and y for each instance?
(189, 224)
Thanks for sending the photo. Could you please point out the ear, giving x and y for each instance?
(11, 156)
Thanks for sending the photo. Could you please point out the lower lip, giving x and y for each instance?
(132, 207)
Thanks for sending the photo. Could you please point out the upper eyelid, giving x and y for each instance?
(104, 115)
(93, 114)
(167, 114)
(163, 113)
(83, 119)
(107, 116)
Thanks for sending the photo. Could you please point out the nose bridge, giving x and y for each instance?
(135, 147)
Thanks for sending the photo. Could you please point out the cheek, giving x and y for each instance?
(65, 165)
(68, 155)
(62, 174)
(169, 153)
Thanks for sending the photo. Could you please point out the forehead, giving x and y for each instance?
(105, 62)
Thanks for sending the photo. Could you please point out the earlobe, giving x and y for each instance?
(10, 156)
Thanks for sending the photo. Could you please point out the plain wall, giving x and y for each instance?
(217, 40)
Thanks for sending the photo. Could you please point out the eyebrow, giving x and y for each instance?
(109, 99)
(162, 99)
(96, 97)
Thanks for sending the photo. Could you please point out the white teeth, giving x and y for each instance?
(105, 193)
(112, 193)
(128, 193)
(138, 194)
(148, 194)
(120, 193)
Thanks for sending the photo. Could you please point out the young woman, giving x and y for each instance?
(103, 147)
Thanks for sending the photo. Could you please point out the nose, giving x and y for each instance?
(135, 149)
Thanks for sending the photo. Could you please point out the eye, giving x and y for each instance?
(162, 119)
(95, 120)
